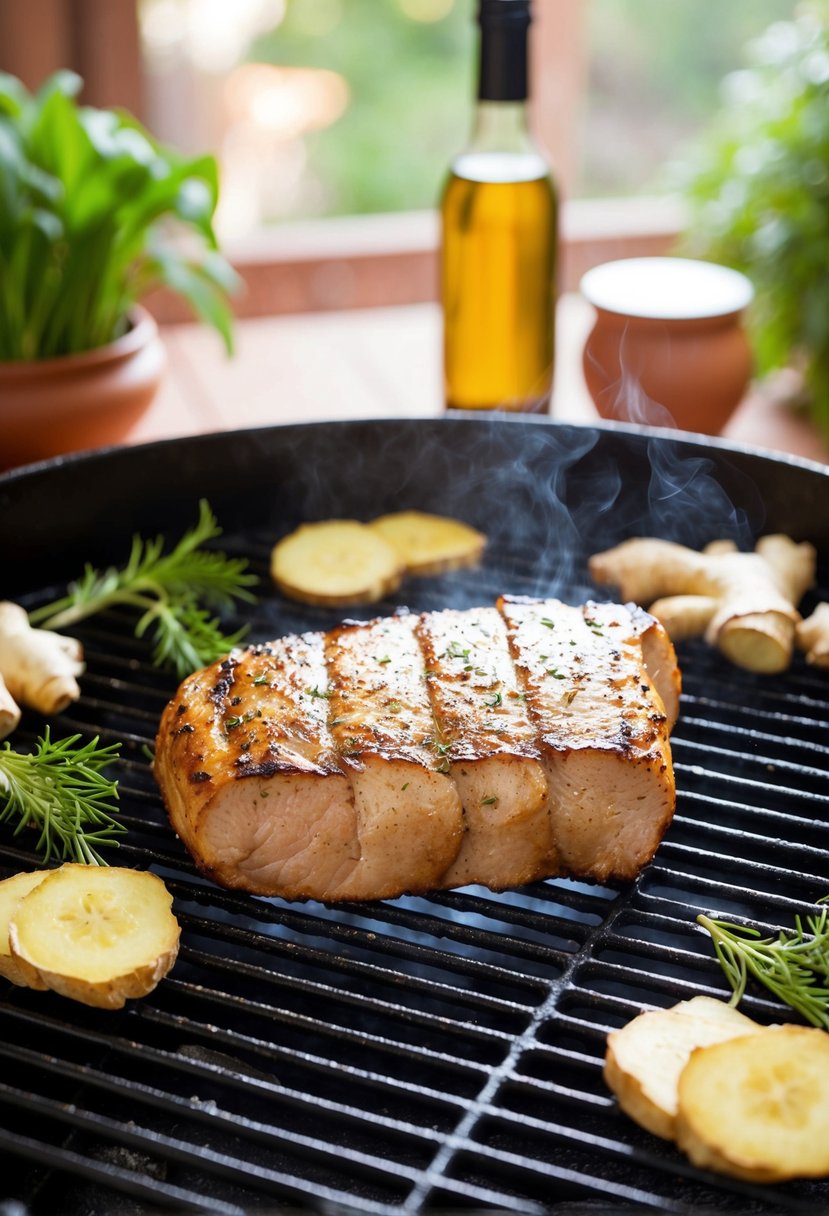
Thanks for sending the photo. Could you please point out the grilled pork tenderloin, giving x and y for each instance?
(420, 752)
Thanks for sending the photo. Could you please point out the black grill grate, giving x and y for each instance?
(417, 1055)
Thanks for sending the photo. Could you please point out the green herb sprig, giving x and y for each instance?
(792, 966)
(174, 594)
(60, 790)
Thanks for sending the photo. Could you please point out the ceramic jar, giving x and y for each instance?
(667, 346)
(76, 402)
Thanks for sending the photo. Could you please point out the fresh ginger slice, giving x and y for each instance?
(336, 563)
(98, 935)
(757, 1107)
(743, 603)
(12, 890)
(644, 1059)
(39, 667)
(430, 544)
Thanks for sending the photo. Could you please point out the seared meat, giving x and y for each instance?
(409, 816)
(489, 746)
(253, 783)
(601, 729)
(413, 753)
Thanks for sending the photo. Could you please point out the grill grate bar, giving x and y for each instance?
(110, 1177)
(469, 934)
(357, 926)
(768, 875)
(472, 936)
(785, 708)
(546, 1177)
(730, 783)
(753, 738)
(307, 1063)
(356, 1037)
(231, 1124)
(730, 897)
(765, 817)
(367, 1003)
(666, 1166)
(176, 1063)
(751, 761)
(354, 968)
(765, 700)
(801, 854)
(198, 1157)
(146, 719)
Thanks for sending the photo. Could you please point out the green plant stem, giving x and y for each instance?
(171, 593)
(794, 967)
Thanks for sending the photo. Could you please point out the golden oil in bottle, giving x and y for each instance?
(499, 229)
(498, 269)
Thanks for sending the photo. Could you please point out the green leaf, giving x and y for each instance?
(94, 213)
(63, 81)
(199, 284)
(14, 97)
(758, 189)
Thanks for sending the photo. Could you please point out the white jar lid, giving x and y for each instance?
(667, 288)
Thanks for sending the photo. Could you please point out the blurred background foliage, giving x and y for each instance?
(405, 71)
(654, 73)
(410, 81)
(758, 190)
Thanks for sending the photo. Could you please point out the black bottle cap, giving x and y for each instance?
(503, 63)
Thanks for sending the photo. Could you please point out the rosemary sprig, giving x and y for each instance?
(173, 594)
(61, 790)
(792, 966)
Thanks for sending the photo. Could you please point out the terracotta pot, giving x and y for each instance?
(74, 402)
(668, 346)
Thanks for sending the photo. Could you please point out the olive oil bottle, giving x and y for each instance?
(499, 238)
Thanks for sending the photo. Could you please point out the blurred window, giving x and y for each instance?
(343, 107)
(656, 73)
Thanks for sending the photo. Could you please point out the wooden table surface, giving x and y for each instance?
(376, 363)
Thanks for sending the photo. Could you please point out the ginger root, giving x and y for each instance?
(812, 636)
(9, 711)
(743, 603)
(39, 667)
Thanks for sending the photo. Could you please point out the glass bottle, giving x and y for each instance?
(499, 229)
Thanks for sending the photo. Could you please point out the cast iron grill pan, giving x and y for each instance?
(423, 1054)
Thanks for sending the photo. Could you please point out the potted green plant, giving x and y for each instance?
(758, 191)
(94, 214)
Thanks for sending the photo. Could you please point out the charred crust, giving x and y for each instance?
(265, 768)
(221, 689)
(199, 777)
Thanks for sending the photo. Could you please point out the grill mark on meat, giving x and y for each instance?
(408, 811)
(220, 691)
(412, 753)
(283, 820)
(491, 749)
(606, 759)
